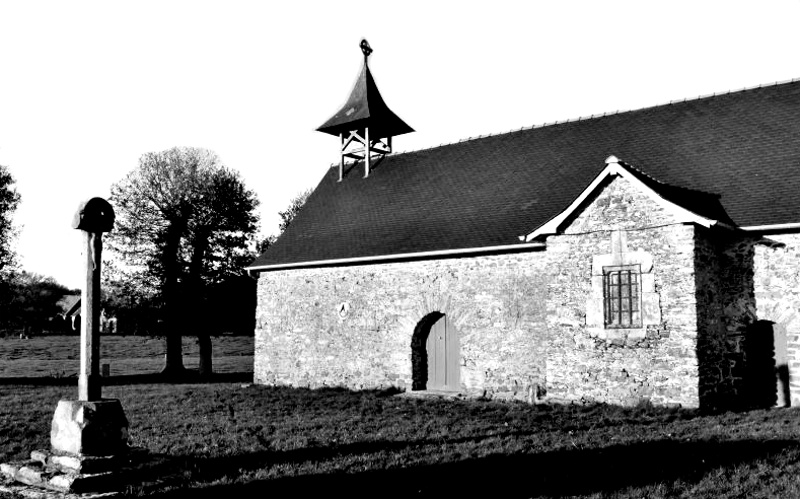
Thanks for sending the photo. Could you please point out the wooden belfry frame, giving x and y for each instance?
(379, 147)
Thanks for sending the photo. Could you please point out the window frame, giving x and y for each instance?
(622, 301)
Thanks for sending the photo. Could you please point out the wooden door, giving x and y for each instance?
(443, 357)
(781, 366)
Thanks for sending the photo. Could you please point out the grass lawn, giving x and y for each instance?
(233, 440)
(59, 356)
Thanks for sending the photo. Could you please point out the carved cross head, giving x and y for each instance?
(94, 215)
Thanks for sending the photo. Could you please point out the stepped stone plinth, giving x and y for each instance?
(89, 450)
(91, 428)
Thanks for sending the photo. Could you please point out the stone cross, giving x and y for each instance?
(93, 217)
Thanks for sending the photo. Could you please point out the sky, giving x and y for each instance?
(87, 87)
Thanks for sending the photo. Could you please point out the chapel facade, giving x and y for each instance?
(643, 256)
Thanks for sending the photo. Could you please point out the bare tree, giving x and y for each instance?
(287, 216)
(182, 218)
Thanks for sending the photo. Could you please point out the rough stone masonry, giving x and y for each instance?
(530, 323)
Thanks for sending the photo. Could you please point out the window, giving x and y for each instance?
(622, 296)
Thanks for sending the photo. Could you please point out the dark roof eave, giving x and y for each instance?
(421, 255)
(773, 228)
(380, 130)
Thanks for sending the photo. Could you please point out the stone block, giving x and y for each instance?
(648, 283)
(96, 428)
(594, 313)
(597, 287)
(78, 463)
(32, 473)
(9, 470)
(40, 456)
(600, 261)
(651, 308)
(78, 483)
(645, 260)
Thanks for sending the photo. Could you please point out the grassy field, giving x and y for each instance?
(234, 440)
(58, 356)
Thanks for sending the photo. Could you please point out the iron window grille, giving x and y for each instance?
(622, 296)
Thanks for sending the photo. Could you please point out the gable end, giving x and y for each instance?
(616, 168)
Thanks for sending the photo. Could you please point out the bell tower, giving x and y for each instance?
(365, 125)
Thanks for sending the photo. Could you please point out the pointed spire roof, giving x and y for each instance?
(365, 108)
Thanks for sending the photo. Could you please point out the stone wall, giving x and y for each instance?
(777, 297)
(532, 323)
(748, 299)
(657, 363)
(715, 291)
(353, 326)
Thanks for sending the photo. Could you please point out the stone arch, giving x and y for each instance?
(419, 352)
(435, 354)
(437, 296)
(760, 389)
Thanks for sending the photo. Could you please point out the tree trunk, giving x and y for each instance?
(200, 328)
(206, 359)
(173, 360)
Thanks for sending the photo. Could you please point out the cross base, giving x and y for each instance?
(92, 428)
(89, 450)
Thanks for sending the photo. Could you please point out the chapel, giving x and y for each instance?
(645, 256)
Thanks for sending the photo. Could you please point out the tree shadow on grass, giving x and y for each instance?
(554, 473)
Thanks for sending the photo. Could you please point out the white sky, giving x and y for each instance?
(88, 87)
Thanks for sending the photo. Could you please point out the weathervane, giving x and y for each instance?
(365, 47)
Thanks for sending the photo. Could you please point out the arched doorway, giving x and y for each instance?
(767, 361)
(435, 354)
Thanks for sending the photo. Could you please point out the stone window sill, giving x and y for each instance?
(623, 334)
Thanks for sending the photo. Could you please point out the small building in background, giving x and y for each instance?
(70, 315)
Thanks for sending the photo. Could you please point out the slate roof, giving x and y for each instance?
(69, 305)
(741, 149)
(705, 204)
